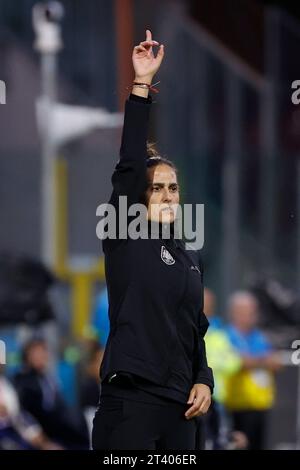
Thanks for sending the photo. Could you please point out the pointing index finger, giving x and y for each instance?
(148, 35)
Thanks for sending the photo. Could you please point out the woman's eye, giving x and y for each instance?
(156, 188)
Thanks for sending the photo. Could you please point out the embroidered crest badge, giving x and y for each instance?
(166, 256)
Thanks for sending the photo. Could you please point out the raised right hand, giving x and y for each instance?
(144, 62)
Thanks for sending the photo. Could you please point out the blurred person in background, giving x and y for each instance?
(250, 391)
(150, 399)
(39, 394)
(225, 361)
(90, 388)
(100, 318)
(18, 429)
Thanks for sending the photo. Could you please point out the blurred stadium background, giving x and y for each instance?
(224, 114)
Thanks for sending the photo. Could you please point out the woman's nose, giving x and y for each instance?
(167, 196)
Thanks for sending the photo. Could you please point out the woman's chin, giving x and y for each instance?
(167, 218)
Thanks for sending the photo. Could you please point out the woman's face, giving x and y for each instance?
(162, 195)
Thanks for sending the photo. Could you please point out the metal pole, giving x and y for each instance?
(48, 69)
(269, 112)
(198, 138)
(46, 18)
(298, 412)
(298, 286)
(124, 43)
(298, 225)
(230, 214)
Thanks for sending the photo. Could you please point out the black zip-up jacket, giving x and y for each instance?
(155, 307)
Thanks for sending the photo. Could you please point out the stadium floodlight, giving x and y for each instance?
(46, 18)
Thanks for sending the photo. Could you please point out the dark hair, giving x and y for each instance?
(154, 158)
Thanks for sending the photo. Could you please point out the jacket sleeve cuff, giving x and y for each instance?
(140, 99)
(206, 378)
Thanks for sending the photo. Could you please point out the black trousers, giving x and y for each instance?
(253, 424)
(121, 423)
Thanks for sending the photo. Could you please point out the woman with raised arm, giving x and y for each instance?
(155, 380)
